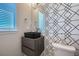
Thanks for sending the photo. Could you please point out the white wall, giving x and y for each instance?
(10, 42)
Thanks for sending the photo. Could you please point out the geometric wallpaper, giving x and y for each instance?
(62, 25)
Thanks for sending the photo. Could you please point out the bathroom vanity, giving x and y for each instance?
(32, 43)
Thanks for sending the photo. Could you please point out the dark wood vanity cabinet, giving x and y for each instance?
(33, 47)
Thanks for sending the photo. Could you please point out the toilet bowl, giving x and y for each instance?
(63, 50)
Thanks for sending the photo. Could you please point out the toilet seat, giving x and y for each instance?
(64, 47)
(63, 50)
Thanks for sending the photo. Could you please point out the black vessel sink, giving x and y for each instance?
(32, 35)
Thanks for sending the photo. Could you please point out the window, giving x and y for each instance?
(7, 17)
(41, 22)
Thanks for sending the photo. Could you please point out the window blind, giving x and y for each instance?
(7, 17)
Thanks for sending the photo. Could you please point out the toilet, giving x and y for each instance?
(63, 50)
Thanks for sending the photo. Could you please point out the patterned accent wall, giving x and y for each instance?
(62, 25)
